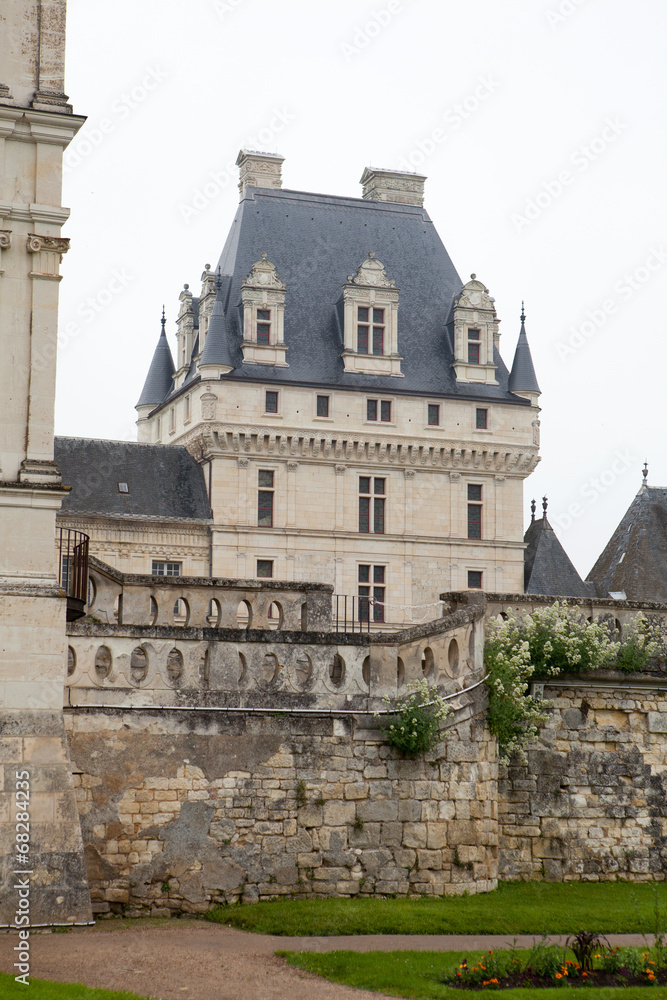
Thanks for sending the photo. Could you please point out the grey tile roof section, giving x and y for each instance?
(217, 349)
(547, 566)
(635, 557)
(158, 382)
(522, 377)
(316, 241)
(164, 481)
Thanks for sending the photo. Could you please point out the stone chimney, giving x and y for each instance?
(262, 170)
(396, 186)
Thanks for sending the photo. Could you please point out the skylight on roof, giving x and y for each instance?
(123, 488)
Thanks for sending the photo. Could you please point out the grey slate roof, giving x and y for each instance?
(316, 241)
(547, 566)
(635, 557)
(217, 349)
(164, 481)
(522, 377)
(158, 382)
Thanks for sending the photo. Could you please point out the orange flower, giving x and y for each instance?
(493, 980)
(558, 975)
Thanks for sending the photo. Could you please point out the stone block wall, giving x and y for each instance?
(591, 803)
(180, 811)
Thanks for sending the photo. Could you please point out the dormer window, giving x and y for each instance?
(370, 319)
(263, 300)
(370, 330)
(475, 334)
(264, 326)
(474, 346)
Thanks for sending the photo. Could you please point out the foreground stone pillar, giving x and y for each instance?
(38, 815)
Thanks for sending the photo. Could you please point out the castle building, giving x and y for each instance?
(344, 393)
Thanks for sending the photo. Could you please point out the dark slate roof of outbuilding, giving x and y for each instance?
(547, 566)
(158, 382)
(316, 241)
(635, 558)
(164, 481)
(522, 377)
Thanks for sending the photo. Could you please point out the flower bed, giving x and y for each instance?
(593, 964)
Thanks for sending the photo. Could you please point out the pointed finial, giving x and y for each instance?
(523, 313)
(545, 504)
(218, 278)
(645, 474)
(533, 508)
(163, 320)
(371, 254)
(473, 276)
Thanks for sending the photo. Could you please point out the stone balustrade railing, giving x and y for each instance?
(128, 599)
(168, 666)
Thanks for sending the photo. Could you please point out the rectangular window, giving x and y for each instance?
(186, 407)
(362, 330)
(271, 402)
(474, 346)
(376, 593)
(474, 579)
(323, 406)
(474, 510)
(433, 415)
(481, 417)
(265, 499)
(172, 419)
(264, 326)
(161, 568)
(265, 569)
(374, 502)
(371, 409)
(385, 411)
(378, 331)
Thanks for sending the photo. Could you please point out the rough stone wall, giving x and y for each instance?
(591, 802)
(180, 811)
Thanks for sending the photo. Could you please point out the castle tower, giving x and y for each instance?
(36, 124)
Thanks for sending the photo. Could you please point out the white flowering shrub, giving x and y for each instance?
(545, 643)
(412, 722)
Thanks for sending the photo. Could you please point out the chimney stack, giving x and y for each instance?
(398, 186)
(256, 169)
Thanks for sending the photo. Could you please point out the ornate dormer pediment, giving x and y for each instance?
(263, 299)
(475, 334)
(371, 273)
(370, 307)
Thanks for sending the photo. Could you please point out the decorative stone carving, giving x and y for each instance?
(292, 466)
(409, 473)
(48, 251)
(454, 477)
(242, 463)
(5, 239)
(340, 470)
(208, 405)
(371, 273)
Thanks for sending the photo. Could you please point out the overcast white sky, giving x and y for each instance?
(540, 126)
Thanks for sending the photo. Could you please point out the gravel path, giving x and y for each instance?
(193, 959)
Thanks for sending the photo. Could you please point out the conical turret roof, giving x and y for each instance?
(216, 349)
(634, 561)
(547, 566)
(522, 377)
(158, 382)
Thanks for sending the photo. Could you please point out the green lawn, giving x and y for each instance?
(514, 908)
(39, 989)
(417, 973)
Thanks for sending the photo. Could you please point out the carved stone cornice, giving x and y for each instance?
(359, 447)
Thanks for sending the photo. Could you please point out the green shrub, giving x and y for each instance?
(545, 959)
(412, 722)
(615, 959)
(641, 643)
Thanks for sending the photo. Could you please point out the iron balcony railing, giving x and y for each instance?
(73, 570)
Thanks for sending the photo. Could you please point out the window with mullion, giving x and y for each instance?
(378, 331)
(265, 499)
(474, 510)
(378, 487)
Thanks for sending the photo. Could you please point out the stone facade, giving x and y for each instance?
(591, 802)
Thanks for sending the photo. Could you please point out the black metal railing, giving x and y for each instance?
(353, 614)
(73, 570)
